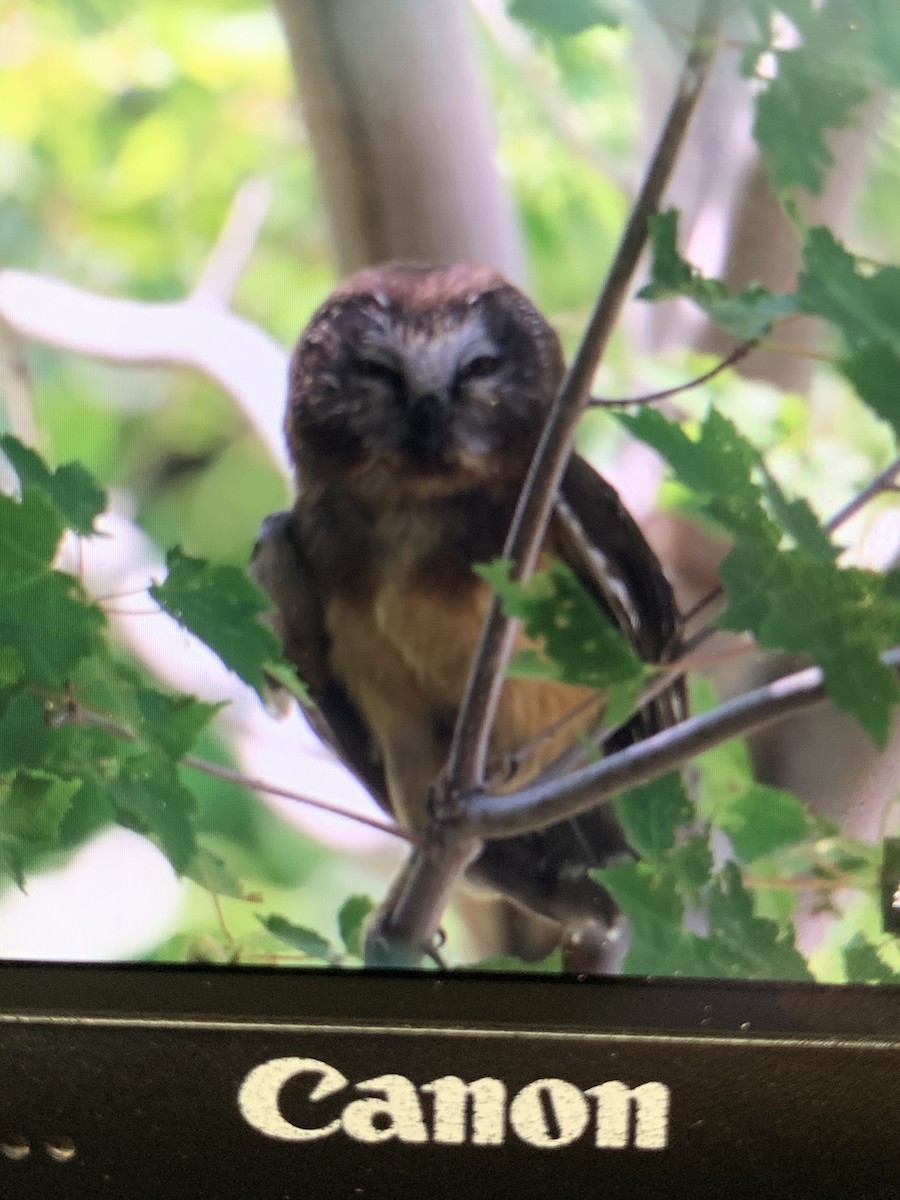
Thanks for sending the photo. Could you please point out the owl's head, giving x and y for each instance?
(429, 380)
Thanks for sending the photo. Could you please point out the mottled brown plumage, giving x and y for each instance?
(417, 396)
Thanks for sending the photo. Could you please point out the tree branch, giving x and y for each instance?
(739, 352)
(543, 804)
(466, 764)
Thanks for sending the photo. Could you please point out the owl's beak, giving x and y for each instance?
(428, 428)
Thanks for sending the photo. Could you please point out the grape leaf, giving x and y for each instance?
(307, 941)
(221, 606)
(762, 820)
(748, 314)
(351, 918)
(73, 490)
(651, 815)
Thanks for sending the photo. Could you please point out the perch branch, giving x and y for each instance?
(547, 803)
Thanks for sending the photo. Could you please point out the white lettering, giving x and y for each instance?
(542, 1101)
(614, 1106)
(547, 1114)
(451, 1097)
(260, 1092)
(398, 1112)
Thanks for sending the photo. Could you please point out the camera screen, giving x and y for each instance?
(449, 486)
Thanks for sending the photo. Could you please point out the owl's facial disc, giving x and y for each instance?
(430, 385)
(421, 382)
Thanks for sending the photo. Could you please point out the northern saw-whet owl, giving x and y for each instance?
(416, 399)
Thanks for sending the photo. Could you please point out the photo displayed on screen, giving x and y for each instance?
(449, 485)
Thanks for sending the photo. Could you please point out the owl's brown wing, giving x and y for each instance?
(280, 566)
(602, 543)
(597, 537)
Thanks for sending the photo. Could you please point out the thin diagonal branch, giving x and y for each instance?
(543, 804)
(466, 764)
(739, 352)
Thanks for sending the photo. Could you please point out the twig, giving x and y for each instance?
(738, 353)
(468, 754)
(68, 710)
(544, 804)
(883, 482)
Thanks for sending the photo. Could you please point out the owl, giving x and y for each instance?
(416, 399)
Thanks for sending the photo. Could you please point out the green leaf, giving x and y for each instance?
(12, 862)
(652, 814)
(764, 951)
(221, 606)
(649, 899)
(32, 805)
(863, 963)
(48, 621)
(810, 94)
(862, 303)
(874, 371)
(580, 641)
(11, 666)
(307, 941)
(214, 874)
(747, 315)
(566, 18)
(172, 723)
(842, 619)
(798, 520)
(351, 918)
(796, 598)
(30, 530)
(762, 820)
(151, 799)
(72, 489)
(718, 466)
(692, 864)
(285, 674)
